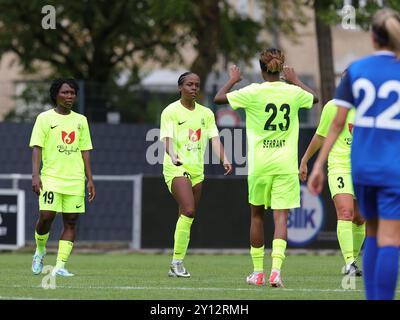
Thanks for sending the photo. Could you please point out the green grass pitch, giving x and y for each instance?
(144, 277)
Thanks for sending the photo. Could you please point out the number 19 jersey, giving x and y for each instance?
(272, 125)
(62, 139)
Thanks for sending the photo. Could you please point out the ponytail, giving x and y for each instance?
(386, 29)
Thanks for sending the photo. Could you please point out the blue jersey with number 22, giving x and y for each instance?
(372, 85)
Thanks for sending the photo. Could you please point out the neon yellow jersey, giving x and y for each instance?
(62, 138)
(339, 156)
(272, 125)
(190, 131)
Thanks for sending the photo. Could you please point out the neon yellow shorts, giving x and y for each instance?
(275, 191)
(62, 203)
(194, 179)
(340, 183)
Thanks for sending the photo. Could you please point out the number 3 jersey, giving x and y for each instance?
(62, 138)
(339, 156)
(272, 125)
(372, 86)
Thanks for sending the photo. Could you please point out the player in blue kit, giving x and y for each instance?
(372, 85)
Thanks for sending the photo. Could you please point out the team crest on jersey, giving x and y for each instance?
(194, 135)
(351, 128)
(68, 138)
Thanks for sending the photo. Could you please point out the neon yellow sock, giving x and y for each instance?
(64, 250)
(358, 239)
(345, 237)
(182, 237)
(41, 240)
(278, 253)
(257, 256)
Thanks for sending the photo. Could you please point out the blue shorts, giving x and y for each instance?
(378, 202)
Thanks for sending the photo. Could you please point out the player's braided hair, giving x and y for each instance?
(272, 60)
(386, 29)
(56, 85)
(182, 77)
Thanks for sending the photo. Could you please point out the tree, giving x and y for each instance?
(95, 39)
(327, 13)
(325, 54)
(91, 39)
(214, 29)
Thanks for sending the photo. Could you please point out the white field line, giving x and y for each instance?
(24, 298)
(138, 288)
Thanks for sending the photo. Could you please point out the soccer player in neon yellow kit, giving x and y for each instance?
(272, 128)
(61, 141)
(186, 127)
(350, 225)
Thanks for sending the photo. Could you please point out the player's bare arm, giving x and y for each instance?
(168, 145)
(313, 147)
(88, 172)
(36, 160)
(234, 77)
(219, 150)
(291, 77)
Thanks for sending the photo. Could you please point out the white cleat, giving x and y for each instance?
(37, 263)
(61, 272)
(352, 270)
(275, 279)
(178, 270)
(256, 278)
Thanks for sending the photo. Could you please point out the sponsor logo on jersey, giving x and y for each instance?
(350, 125)
(68, 138)
(194, 136)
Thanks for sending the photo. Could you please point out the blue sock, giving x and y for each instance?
(369, 260)
(386, 269)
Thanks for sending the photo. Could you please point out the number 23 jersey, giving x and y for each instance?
(272, 125)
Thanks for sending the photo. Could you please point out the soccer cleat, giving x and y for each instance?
(352, 270)
(178, 270)
(275, 279)
(61, 272)
(256, 278)
(37, 263)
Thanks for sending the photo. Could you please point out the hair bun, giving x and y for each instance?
(272, 60)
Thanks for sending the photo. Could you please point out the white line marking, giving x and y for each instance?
(25, 298)
(255, 288)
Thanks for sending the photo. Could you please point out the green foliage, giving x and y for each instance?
(91, 37)
(284, 16)
(34, 98)
(329, 10)
(95, 39)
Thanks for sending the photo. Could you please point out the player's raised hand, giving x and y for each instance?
(234, 73)
(289, 74)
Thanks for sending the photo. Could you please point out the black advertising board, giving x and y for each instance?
(12, 219)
